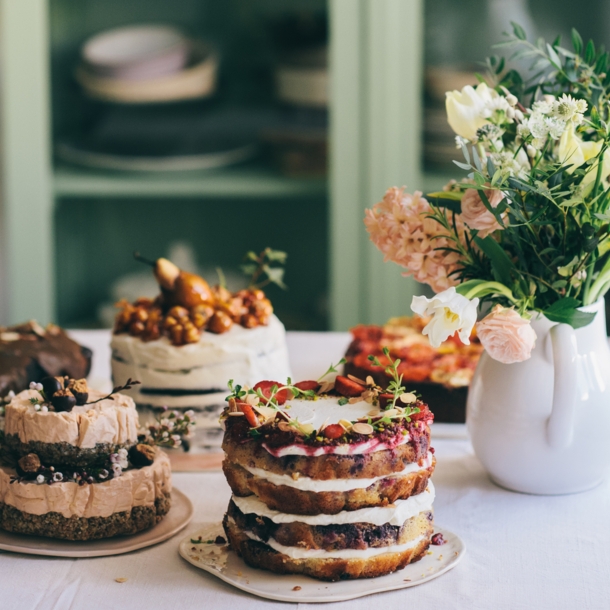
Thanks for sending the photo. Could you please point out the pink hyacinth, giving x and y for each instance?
(399, 227)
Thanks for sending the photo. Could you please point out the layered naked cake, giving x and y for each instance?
(187, 342)
(441, 374)
(330, 478)
(74, 467)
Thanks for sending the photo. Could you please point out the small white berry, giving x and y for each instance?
(44, 408)
(39, 479)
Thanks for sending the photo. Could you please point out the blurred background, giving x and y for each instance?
(199, 129)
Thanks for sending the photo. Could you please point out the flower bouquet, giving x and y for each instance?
(525, 232)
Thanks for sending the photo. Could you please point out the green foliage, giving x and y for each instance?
(552, 253)
(265, 268)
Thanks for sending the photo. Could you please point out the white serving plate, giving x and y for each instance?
(223, 563)
(176, 519)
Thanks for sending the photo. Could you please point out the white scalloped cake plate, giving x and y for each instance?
(178, 517)
(223, 563)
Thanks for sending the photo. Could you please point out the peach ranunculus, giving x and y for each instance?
(399, 226)
(506, 336)
(476, 215)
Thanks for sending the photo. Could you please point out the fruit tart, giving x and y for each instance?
(441, 374)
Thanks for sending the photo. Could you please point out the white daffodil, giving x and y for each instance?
(469, 109)
(451, 312)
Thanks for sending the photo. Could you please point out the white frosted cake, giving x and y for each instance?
(185, 344)
(194, 375)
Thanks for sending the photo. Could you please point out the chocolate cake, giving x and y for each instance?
(29, 352)
(441, 374)
(75, 467)
(330, 478)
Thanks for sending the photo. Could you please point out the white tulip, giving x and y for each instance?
(468, 109)
(451, 312)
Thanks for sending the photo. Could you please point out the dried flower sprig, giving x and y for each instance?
(171, 430)
(127, 386)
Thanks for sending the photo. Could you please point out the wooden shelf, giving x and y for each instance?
(234, 182)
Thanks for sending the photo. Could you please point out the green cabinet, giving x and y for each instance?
(66, 230)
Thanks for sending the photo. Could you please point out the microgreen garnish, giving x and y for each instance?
(395, 386)
(342, 401)
(332, 369)
(268, 266)
(237, 392)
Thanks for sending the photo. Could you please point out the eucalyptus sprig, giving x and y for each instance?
(265, 268)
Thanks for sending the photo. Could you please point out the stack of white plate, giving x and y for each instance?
(147, 64)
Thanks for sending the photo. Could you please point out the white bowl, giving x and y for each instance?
(136, 53)
(196, 81)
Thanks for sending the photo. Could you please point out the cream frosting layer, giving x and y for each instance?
(394, 514)
(339, 485)
(246, 355)
(114, 421)
(294, 552)
(136, 487)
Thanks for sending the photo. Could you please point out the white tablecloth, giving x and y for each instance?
(522, 551)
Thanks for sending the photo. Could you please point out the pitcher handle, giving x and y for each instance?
(560, 425)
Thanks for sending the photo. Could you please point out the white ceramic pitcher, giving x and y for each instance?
(543, 426)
